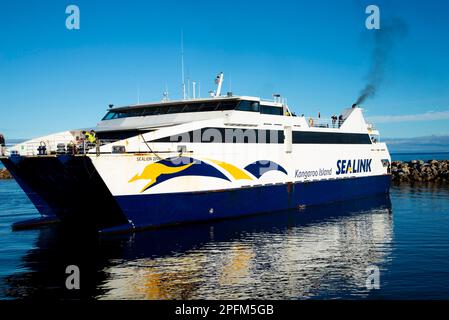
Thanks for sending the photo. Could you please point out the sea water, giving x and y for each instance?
(317, 252)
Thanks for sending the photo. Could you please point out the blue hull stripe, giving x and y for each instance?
(161, 209)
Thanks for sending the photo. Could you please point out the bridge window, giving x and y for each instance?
(209, 106)
(192, 107)
(109, 116)
(271, 110)
(226, 105)
(150, 111)
(252, 106)
(175, 108)
(181, 108)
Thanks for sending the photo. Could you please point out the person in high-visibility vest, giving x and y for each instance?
(90, 136)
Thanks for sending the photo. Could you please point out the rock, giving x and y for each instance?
(4, 174)
(420, 171)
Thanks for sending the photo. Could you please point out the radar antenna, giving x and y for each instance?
(219, 83)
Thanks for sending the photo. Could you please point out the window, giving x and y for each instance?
(180, 108)
(132, 113)
(193, 107)
(314, 137)
(110, 115)
(271, 110)
(385, 162)
(176, 109)
(226, 105)
(252, 106)
(209, 106)
(122, 114)
(150, 111)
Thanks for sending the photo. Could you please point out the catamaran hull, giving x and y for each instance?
(165, 209)
(70, 189)
(65, 188)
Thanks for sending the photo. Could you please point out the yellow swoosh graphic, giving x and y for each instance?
(236, 173)
(154, 170)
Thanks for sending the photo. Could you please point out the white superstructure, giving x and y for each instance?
(196, 159)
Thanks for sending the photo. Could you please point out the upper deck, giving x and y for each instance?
(168, 117)
(221, 103)
(153, 115)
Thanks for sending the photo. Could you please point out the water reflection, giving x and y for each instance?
(319, 252)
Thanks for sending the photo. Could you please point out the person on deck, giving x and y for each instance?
(90, 136)
(340, 120)
(334, 120)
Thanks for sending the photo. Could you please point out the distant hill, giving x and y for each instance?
(15, 141)
(432, 143)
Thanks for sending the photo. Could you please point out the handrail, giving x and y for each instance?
(53, 147)
(323, 122)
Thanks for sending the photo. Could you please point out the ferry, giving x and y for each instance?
(197, 159)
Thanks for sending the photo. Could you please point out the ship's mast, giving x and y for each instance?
(182, 66)
(219, 82)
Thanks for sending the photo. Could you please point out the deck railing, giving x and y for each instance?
(324, 122)
(52, 147)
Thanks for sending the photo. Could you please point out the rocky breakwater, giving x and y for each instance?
(420, 171)
(4, 174)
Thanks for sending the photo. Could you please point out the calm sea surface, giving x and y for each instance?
(320, 252)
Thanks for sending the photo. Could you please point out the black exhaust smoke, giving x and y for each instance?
(385, 38)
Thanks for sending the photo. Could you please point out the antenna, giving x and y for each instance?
(165, 93)
(219, 82)
(182, 66)
(230, 82)
(188, 86)
(138, 94)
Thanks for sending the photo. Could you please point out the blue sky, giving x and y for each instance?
(315, 54)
